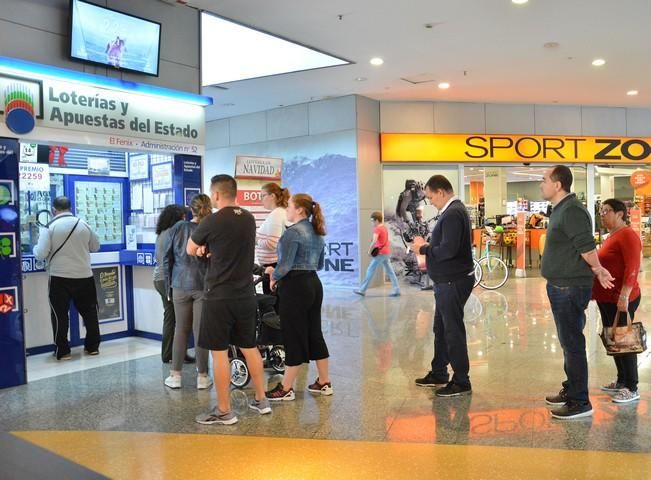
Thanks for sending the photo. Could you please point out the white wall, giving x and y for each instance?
(441, 117)
(37, 30)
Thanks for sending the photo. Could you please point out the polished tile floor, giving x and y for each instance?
(378, 346)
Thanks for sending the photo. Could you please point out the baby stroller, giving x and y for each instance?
(268, 338)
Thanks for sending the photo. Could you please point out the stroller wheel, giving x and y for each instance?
(240, 375)
(277, 358)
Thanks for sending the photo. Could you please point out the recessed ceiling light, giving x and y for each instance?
(360, 79)
(376, 61)
(519, 2)
(551, 45)
(632, 93)
(444, 85)
(599, 62)
(228, 104)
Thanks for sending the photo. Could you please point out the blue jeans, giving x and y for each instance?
(568, 307)
(372, 267)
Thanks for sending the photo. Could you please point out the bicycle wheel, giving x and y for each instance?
(478, 272)
(494, 272)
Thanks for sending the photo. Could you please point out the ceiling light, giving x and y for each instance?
(444, 85)
(632, 93)
(551, 45)
(360, 79)
(376, 61)
(519, 2)
(598, 62)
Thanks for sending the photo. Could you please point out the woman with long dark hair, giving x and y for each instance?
(167, 218)
(186, 275)
(300, 255)
(620, 255)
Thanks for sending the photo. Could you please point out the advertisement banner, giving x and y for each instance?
(429, 147)
(251, 174)
(108, 285)
(12, 353)
(34, 177)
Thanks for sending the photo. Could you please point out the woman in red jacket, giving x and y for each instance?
(620, 255)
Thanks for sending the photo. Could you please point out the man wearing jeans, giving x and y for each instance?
(450, 266)
(569, 264)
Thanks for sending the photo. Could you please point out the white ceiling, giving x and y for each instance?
(497, 44)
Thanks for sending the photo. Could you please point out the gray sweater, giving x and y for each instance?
(73, 260)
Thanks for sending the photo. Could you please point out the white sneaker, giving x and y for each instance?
(204, 382)
(626, 396)
(173, 381)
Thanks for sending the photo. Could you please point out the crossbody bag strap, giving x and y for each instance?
(49, 260)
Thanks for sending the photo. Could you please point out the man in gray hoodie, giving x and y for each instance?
(66, 244)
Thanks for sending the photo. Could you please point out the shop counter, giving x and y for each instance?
(532, 242)
(128, 303)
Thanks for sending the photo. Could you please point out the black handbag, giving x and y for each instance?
(375, 251)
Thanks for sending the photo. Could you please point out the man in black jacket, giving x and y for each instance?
(450, 266)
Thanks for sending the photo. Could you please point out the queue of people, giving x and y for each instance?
(205, 271)
(206, 285)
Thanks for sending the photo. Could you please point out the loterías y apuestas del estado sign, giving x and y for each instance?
(78, 107)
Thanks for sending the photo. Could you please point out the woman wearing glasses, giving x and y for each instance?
(620, 255)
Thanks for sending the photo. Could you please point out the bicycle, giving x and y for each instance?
(490, 270)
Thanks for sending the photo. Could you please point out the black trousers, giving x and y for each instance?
(82, 292)
(169, 321)
(301, 297)
(626, 363)
(450, 346)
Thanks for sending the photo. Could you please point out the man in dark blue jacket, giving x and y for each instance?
(450, 266)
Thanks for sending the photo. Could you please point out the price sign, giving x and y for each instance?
(34, 177)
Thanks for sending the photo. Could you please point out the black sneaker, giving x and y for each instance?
(453, 390)
(557, 400)
(572, 410)
(431, 380)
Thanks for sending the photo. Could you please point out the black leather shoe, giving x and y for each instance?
(432, 380)
(454, 390)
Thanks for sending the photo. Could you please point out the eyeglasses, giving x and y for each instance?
(606, 211)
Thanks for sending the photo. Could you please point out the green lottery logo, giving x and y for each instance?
(7, 246)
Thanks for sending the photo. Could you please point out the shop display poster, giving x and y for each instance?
(108, 286)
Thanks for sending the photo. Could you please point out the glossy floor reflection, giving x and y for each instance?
(378, 346)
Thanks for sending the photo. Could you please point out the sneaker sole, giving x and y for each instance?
(232, 421)
(261, 411)
(458, 394)
(572, 417)
(554, 404)
(207, 387)
(610, 390)
(321, 392)
(172, 387)
(628, 400)
(281, 399)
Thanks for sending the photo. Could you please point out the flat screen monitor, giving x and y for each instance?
(103, 36)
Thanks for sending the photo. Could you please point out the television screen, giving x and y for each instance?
(107, 37)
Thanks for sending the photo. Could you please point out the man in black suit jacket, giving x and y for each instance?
(450, 266)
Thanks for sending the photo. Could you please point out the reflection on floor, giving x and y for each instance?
(124, 349)
(378, 346)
